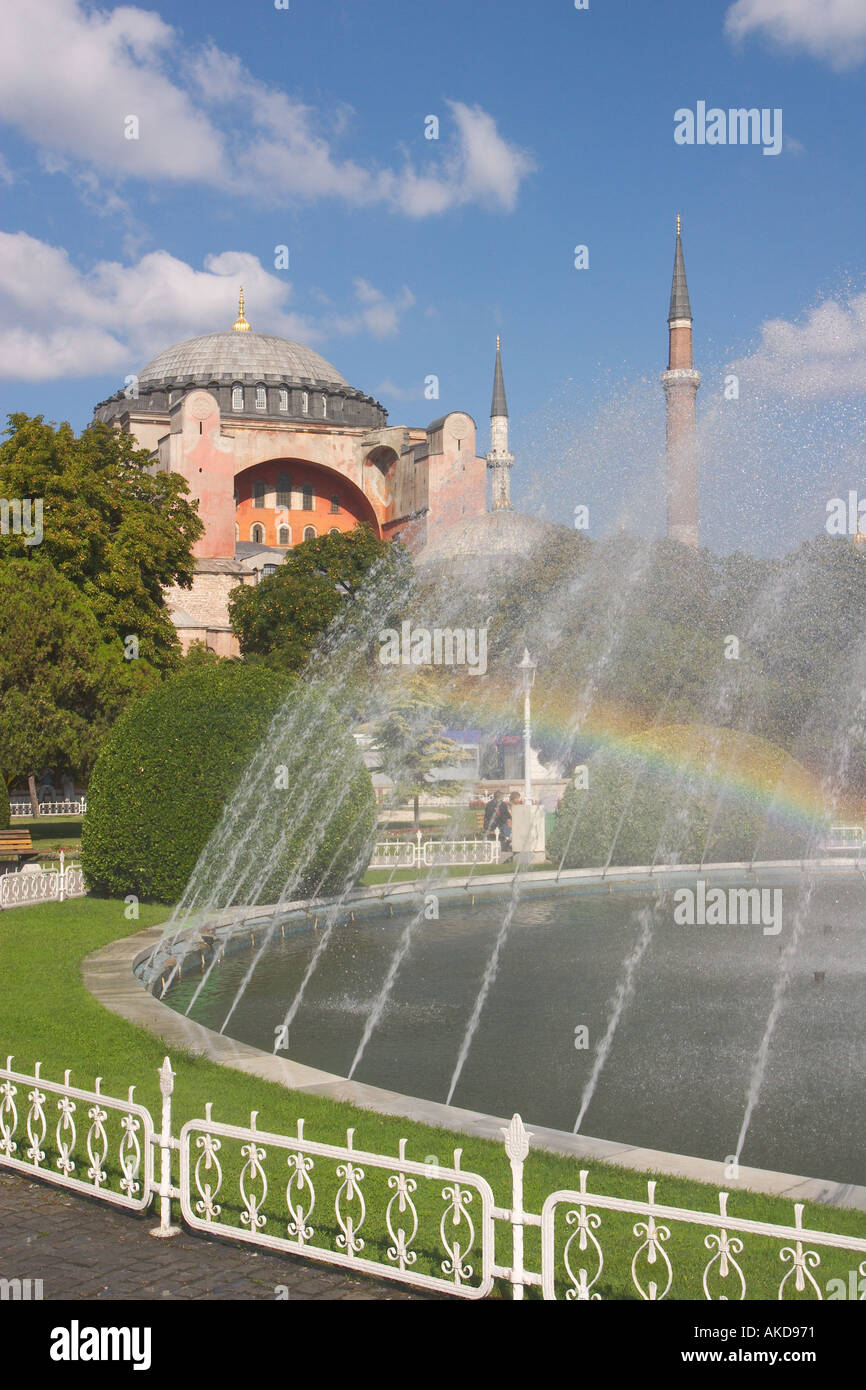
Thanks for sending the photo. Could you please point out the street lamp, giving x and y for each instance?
(527, 668)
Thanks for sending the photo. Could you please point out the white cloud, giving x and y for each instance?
(399, 393)
(377, 314)
(58, 321)
(822, 356)
(70, 78)
(832, 30)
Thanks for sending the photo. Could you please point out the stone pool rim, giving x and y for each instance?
(110, 975)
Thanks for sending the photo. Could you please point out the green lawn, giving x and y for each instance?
(46, 1014)
(50, 834)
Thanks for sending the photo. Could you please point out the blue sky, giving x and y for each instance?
(305, 127)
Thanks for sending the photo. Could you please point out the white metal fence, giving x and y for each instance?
(18, 807)
(37, 885)
(434, 1227)
(427, 854)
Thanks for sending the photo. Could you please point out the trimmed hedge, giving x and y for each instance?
(172, 763)
(684, 793)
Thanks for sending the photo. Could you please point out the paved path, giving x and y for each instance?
(83, 1249)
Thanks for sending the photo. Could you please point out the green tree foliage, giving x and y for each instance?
(61, 685)
(117, 532)
(282, 618)
(173, 761)
(685, 793)
(412, 745)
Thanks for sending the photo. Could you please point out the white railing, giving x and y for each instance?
(418, 853)
(49, 808)
(417, 1223)
(37, 885)
(79, 1153)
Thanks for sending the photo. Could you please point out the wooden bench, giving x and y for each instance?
(16, 844)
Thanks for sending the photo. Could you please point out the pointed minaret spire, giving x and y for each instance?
(681, 383)
(499, 407)
(680, 306)
(499, 460)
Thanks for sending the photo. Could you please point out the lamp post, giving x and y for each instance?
(527, 668)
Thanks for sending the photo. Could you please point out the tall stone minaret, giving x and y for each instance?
(681, 383)
(499, 460)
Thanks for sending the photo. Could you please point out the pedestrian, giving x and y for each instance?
(490, 811)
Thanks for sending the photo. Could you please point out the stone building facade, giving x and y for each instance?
(276, 448)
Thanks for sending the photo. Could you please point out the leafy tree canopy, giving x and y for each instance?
(281, 619)
(119, 533)
(61, 685)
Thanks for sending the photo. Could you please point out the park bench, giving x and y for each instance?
(16, 844)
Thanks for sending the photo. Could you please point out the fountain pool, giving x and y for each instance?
(681, 1057)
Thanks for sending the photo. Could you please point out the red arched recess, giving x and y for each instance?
(286, 496)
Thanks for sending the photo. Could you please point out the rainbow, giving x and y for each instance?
(744, 767)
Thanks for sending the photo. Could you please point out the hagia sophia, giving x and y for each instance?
(278, 448)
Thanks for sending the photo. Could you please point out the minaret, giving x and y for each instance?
(681, 383)
(499, 460)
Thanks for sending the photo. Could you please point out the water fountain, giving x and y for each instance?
(480, 1004)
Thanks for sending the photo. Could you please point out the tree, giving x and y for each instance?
(179, 756)
(412, 746)
(61, 685)
(119, 533)
(281, 619)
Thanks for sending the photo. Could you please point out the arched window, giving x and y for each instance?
(309, 533)
(261, 398)
(307, 497)
(268, 569)
(257, 534)
(284, 536)
(325, 407)
(334, 531)
(335, 503)
(258, 494)
(284, 398)
(284, 490)
(305, 402)
(237, 398)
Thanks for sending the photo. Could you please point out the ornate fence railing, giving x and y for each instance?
(36, 885)
(428, 854)
(17, 807)
(434, 1227)
(80, 1139)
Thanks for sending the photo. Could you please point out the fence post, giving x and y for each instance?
(517, 1148)
(165, 1143)
(62, 876)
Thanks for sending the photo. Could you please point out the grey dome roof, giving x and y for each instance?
(229, 356)
(492, 536)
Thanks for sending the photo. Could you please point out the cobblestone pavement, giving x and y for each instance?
(82, 1249)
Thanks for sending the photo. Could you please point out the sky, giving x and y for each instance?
(305, 127)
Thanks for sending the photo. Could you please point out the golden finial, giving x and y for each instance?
(497, 342)
(679, 225)
(240, 324)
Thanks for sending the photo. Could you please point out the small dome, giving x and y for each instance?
(232, 355)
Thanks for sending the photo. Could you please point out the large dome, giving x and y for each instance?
(239, 356)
